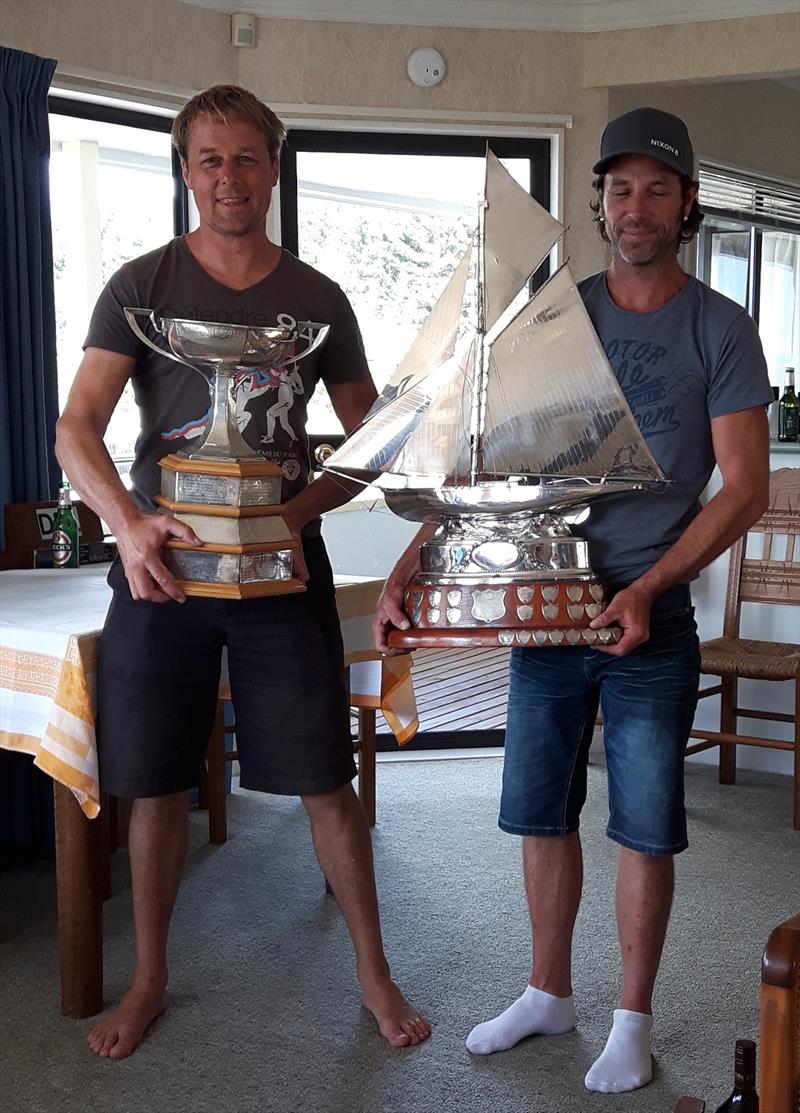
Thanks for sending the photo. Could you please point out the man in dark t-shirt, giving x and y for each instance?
(160, 653)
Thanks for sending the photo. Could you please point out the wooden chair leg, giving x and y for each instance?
(108, 824)
(215, 760)
(110, 805)
(728, 721)
(366, 761)
(796, 820)
(203, 787)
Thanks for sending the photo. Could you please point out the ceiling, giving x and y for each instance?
(532, 15)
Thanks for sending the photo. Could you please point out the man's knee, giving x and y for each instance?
(173, 804)
(339, 800)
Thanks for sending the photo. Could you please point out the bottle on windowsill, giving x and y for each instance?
(744, 1098)
(65, 531)
(788, 410)
(772, 413)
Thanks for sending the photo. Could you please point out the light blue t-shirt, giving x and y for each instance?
(695, 358)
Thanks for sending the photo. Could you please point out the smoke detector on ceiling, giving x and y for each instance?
(426, 67)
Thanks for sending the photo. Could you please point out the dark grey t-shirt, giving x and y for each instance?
(173, 400)
(693, 359)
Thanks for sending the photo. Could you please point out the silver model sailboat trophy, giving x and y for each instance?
(501, 443)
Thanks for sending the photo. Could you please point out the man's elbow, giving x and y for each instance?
(60, 438)
(758, 502)
(65, 438)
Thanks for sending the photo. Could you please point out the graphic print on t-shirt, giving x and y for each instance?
(651, 385)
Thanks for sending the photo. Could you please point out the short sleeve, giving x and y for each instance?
(343, 359)
(108, 327)
(740, 379)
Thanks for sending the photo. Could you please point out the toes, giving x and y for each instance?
(399, 1039)
(413, 1029)
(121, 1050)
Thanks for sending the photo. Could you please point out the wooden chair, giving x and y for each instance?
(779, 1035)
(766, 579)
(212, 794)
(779, 1071)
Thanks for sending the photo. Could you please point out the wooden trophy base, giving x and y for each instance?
(234, 508)
(240, 591)
(512, 613)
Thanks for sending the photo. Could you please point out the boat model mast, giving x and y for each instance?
(533, 413)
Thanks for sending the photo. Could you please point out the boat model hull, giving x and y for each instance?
(501, 497)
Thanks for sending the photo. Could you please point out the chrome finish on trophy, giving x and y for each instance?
(228, 493)
(503, 441)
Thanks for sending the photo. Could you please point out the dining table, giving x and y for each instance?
(50, 626)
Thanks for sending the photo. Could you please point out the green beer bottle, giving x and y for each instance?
(65, 531)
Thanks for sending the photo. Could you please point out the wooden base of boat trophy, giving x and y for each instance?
(523, 580)
(225, 490)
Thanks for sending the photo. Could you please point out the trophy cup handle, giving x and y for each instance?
(131, 315)
(315, 343)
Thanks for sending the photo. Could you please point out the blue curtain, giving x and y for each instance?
(28, 376)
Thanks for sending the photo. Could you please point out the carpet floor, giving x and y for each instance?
(264, 1009)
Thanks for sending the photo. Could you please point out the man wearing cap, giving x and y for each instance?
(691, 366)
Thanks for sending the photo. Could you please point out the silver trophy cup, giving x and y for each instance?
(224, 489)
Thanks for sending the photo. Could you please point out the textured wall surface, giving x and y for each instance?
(693, 51)
(170, 45)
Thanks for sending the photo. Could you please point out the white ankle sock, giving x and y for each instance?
(626, 1063)
(534, 1013)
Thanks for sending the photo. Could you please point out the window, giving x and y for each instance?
(116, 193)
(749, 250)
(388, 216)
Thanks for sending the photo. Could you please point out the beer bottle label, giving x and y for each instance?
(62, 548)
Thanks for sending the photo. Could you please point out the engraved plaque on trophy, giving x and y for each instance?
(503, 441)
(224, 490)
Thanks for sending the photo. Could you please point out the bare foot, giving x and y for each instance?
(118, 1035)
(400, 1023)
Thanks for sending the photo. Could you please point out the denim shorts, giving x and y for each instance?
(648, 699)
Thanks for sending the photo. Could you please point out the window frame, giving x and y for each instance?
(537, 149)
(131, 118)
(754, 221)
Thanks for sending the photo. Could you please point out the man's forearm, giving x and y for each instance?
(325, 493)
(721, 522)
(85, 459)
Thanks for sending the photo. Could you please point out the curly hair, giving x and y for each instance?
(690, 225)
(223, 103)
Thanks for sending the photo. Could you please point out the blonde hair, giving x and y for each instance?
(224, 103)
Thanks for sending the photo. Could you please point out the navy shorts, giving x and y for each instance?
(648, 699)
(159, 673)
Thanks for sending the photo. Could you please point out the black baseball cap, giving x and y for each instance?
(648, 131)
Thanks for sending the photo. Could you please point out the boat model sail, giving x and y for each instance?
(498, 433)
